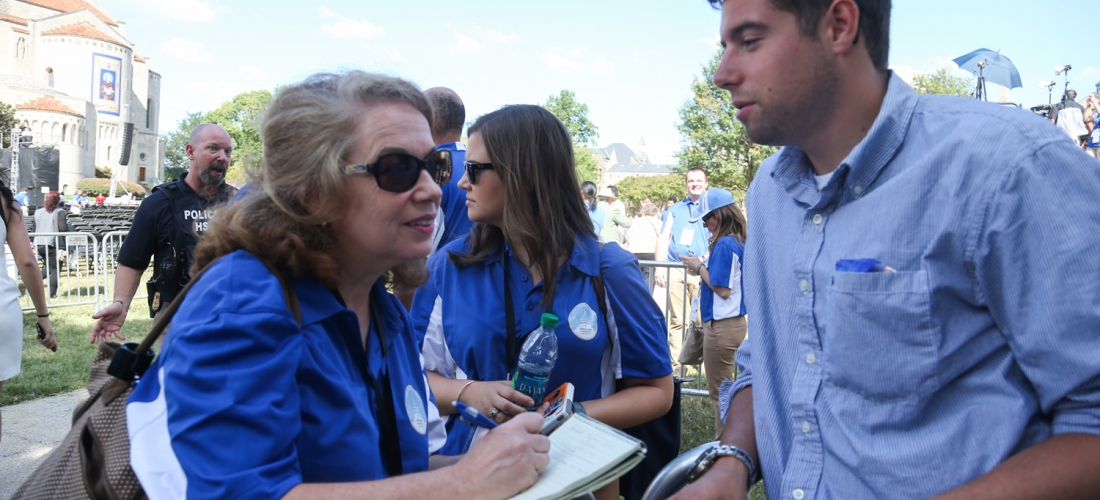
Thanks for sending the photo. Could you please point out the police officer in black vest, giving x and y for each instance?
(166, 227)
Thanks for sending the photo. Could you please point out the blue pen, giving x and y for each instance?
(473, 416)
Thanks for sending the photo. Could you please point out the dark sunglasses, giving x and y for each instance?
(399, 172)
(472, 168)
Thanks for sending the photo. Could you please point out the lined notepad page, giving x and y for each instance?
(580, 450)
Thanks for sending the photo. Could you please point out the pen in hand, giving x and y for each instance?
(473, 416)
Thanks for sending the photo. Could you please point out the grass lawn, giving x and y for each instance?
(44, 372)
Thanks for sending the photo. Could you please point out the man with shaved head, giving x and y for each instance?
(450, 115)
(167, 227)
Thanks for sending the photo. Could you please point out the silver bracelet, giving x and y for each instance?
(707, 459)
(458, 397)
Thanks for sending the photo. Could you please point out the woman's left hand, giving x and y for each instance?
(48, 340)
(495, 399)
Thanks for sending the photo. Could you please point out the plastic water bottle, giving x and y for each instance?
(536, 359)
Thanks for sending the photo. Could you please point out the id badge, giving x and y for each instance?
(687, 236)
(1096, 135)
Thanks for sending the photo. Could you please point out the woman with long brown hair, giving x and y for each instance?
(722, 305)
(250, 399)
(534, 247)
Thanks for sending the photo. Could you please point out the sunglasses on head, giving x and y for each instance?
(399, 172)
(472, 168)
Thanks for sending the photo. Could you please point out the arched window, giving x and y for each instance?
(148, 113)
(54, 132)
(49, 77)
(108, 153)
(64, 132)
(21, 48)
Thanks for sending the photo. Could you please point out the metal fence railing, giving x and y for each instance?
(692, 386)
(76, 268)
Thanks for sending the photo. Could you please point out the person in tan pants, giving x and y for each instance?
(721, 304)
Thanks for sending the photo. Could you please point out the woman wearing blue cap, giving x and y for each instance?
(723, 305)
(534, 247)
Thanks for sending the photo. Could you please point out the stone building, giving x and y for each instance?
(617, 162)
(75, 81)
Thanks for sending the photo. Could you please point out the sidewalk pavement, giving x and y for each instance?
(31, 431)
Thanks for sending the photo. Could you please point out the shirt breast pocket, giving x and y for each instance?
(880, 341)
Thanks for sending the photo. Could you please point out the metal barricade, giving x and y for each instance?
(69, 269)
(112, 243)
(651, 268)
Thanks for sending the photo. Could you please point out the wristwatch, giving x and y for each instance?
(707, 459)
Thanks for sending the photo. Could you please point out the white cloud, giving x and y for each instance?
(711, 42)
(253, 72)
(464, 44)
(187, 10)
(1090, 72)
(905, 72)
(185, 50)
(576, 62)
(498, 37)
(225, 89)
(344, 27)
(558, 62)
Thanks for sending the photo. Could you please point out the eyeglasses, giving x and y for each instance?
(399, 172)
(472, 168)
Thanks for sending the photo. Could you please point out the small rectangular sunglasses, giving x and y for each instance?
(399, 172)
(472, 168)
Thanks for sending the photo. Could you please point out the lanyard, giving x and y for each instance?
(383, 395)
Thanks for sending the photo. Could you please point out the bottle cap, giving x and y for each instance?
(549, 321)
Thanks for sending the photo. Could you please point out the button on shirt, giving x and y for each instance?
(983, 342)
(685, 237)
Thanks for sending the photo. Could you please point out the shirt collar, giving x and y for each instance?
(584, 258)
(453, 146)
(857, 172)
(318, 303)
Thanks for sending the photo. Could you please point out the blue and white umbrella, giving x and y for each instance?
(998, 68)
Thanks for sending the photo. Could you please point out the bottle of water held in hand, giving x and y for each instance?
(540, 352)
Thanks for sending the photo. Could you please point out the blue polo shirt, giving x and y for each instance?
(456, 223)
(685, 237)
(724, 268)
(244, 403)
(459, 314)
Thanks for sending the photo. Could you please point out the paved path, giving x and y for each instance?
(31, 431)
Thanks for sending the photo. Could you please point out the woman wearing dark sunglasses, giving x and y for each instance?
(534, 247)
(250, 399)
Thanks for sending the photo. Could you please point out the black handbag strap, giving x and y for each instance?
(509, 321)
(162, 322)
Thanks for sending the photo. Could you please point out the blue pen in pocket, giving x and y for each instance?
(862, 266)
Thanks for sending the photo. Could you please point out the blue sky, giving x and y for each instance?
(632, 62)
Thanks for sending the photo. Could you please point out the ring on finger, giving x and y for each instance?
(493, 413)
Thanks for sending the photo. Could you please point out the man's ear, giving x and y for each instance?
(841, 25)
(190, 150)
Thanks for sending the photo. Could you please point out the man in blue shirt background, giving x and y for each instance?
(963, 362)
(680, 236)
(22, 197)
(452, 222)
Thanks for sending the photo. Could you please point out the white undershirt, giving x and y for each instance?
(822, 180)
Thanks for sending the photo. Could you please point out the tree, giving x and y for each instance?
(175, 144)
(712, 137)
(7, 122)
(241, 117)
(585, 164)
(575, 117)
(632, 190)
(942, 82)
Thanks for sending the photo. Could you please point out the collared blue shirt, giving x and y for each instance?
(685, 237)
(983, 342)
(244, 403)
(459, 314)
(724, 270)
(456, 223)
